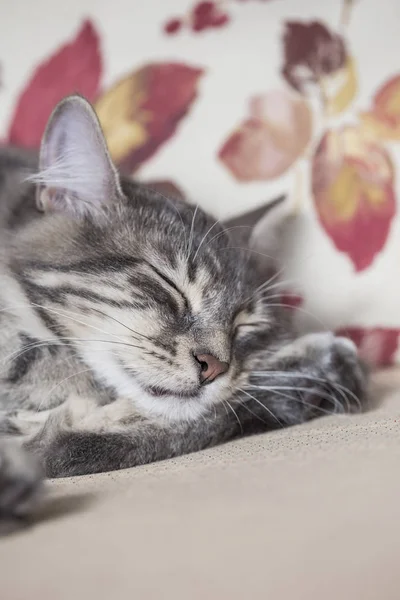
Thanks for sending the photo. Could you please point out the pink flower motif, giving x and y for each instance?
(267, 143)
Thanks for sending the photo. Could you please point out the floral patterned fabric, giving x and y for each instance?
(232, 103)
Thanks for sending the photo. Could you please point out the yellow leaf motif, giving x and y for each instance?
(344, 191)
(340, 88)
(143, 110)
(382, 121)
(119, 114)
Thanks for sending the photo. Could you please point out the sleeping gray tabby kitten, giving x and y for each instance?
(134, 328)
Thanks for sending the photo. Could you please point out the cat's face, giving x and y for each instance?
(152, 294)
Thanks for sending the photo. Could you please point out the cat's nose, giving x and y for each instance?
(211, 367)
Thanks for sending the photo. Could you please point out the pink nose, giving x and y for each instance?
(211, 367)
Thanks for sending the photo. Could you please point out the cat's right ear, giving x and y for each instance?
(76, 174)
(263, 229)
(269, 230)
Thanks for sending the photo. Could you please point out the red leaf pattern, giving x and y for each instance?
(75, 67)
(353, 184)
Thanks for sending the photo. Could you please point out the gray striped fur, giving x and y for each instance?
(106, 297)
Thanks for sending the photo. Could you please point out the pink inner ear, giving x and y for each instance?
(76, 174)
(49, 199)
(40, 202)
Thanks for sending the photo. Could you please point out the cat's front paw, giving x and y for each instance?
(20, 482)
(337, 362)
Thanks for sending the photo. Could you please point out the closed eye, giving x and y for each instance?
(245, 321)
(242, 318)
(242, 327)
(171, 284)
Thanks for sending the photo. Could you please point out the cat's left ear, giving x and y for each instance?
(76, 174)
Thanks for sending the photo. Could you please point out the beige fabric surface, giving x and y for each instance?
(303, 513)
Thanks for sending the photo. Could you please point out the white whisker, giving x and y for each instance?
(306, 312)
(244, 405)
(235, 413)
(262, 405)
(204, 237)
(278, 390)
(58, 384)
(221, 233)
(339, 387)
(50, 342)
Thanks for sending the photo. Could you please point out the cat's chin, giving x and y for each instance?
(175, 406)
(172, 408)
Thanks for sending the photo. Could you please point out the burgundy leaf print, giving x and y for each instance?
(75, 67)
(142, 111)
(208, 14)
(202, 16)
(311, 51)
(377, 346)
(173, 26)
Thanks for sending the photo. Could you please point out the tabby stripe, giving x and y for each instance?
(171, 284)
(152, 289)
(7, 427)
(99, 264)
(25, 360)
(33, 293)
(58, 294)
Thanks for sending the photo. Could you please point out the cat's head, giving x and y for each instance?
(151, 292)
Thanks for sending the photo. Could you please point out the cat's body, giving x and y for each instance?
(132, 327)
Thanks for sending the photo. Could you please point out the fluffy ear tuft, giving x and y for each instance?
(76, 175)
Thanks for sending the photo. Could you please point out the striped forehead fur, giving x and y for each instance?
(140, 298)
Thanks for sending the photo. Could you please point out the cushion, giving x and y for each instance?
(306, 513)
